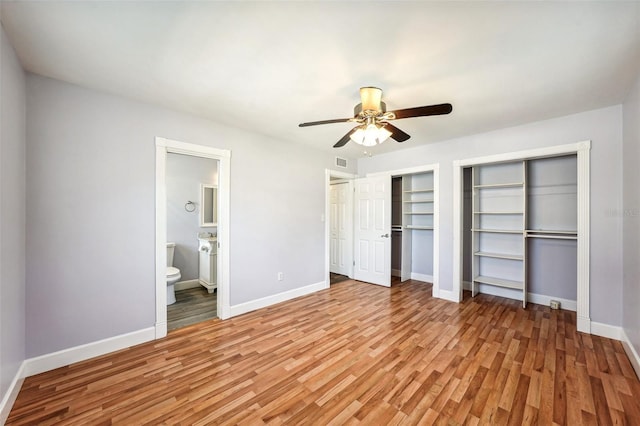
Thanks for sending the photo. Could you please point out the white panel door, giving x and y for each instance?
(372, 234)
(340, 229)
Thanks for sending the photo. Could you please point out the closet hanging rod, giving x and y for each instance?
(552, 237)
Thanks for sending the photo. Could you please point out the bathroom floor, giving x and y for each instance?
(192, 305)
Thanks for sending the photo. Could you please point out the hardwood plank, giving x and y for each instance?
(352, 354)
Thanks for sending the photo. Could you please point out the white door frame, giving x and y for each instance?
(163, 147)
(435, 168)
(328, 174)
(582, 150)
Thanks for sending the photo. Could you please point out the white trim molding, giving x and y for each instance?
(605, 330)
(422, 277)
(164, 147)
(584, 208)
(12, 393)
(582, 150)
(634, 358)
(252, 305)
(54, 360)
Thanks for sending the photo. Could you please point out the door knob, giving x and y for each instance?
(384, 236)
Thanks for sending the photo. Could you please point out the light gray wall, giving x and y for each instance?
(184, 175)
(91, 212)
(631, 216)
(602, 127)
(12, 214)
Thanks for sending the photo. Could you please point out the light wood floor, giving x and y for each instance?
(193, 305)
(355, 353)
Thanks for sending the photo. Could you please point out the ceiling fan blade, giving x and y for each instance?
(396, 133)
(422, 111)
(315, 123)
(346, 138)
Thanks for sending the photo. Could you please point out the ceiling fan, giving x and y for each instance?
(373, 119)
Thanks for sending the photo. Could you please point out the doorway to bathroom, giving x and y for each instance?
(191, 190)
(192, 211)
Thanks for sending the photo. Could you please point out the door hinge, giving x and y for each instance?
(354, 263)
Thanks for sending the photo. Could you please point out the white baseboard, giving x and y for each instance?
(12, 393)
(422, 277)
(183, 285)
(631, 352)
(541, 299)
(396, 273)
(64, 357)
(606, 330)
(583, 324)
(447, 295)
(252, 305)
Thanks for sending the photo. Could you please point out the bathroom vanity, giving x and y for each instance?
(208, 256)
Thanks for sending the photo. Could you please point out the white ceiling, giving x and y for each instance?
(267, 66)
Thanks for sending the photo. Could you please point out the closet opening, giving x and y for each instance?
(520, 230)
(414, 226)
(580, 151)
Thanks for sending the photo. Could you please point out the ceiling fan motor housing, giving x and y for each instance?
(371, 98)
(357, 110)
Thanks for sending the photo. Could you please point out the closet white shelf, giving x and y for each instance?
(499, 282)
(418, 201)
(499, 255)
(418, 213)
(500, 231)
(496, 213)
(416, 191)
(499, 185)
(418, 227)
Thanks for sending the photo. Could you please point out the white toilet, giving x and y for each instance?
(173, 274)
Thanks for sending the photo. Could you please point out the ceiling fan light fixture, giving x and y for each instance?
(370, 135)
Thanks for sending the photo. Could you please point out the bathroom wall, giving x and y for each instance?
(12, 219)
(91, 212)
(184, 175)
(603, 127)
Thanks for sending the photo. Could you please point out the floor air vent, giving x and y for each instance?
(341, 162)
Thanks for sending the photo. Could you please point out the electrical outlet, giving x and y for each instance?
(554, 304)
(280, 276)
